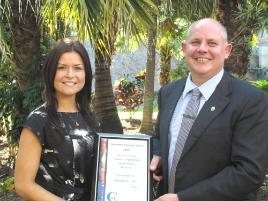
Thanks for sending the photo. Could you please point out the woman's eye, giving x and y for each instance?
(60, 67)
(78, 68)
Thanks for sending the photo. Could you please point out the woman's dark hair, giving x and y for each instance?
(83, 97)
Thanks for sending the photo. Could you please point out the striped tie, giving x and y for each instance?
(186, 125)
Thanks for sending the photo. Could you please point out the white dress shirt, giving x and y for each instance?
(206, 90)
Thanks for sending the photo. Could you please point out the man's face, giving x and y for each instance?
(205, 51)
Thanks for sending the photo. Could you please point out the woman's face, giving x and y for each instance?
(70, 75)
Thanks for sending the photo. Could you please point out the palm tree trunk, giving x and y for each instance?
(148, 99)
(25, 40)
(239, 34)
(104, 101)
(25, 45)
(165, 64)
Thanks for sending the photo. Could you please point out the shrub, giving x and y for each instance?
(129, 94)
(262, 84)
(179, 72)
(7, 185)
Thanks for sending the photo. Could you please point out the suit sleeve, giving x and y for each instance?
(249, 158)
(156, 138)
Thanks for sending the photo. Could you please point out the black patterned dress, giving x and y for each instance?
(66, 164)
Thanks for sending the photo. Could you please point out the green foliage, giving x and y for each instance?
(172, 33)
(7, 185)
(33, 94)
(21, 103)
(262, 84)
(4, 31)
(179, 72)
(8, 88)
(124, 43)
(15, 105)
(61, 17)
(254, 13)
(129, 94)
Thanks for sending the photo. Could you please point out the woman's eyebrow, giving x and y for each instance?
(73, 65)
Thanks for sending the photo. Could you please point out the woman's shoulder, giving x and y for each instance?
(40, 112)
(36, 121)
(37, 117)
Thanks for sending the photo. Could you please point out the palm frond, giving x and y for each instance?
(195, 9)
(95, 18)
(253, 13)
(78, 15)
(5, 13)
(5, 53)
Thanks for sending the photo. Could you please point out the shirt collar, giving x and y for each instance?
(206, 88)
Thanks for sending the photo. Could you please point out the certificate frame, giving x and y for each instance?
(122, 168)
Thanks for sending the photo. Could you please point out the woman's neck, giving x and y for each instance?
(67, 105)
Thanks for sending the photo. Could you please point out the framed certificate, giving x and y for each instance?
(122, 168)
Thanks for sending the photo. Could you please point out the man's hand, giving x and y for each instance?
(168, 197)
(155, 167)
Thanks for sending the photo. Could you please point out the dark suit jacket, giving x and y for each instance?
(225, 156)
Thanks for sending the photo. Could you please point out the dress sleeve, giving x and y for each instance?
(36, 123)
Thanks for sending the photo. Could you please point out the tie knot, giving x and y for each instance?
(196, 92)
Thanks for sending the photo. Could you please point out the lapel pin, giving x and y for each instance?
(212, 108)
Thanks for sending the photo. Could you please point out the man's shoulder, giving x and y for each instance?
(244, 90)
(244, 86)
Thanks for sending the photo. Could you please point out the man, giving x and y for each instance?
(222, 150)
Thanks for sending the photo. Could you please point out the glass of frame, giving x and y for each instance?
(122, 168)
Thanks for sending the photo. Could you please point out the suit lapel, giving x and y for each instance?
(170, 105)
(175, 94)
(211, 109)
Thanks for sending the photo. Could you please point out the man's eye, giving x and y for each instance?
(194, 42)
(212, 44)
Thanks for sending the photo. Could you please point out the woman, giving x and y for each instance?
(56, 148)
